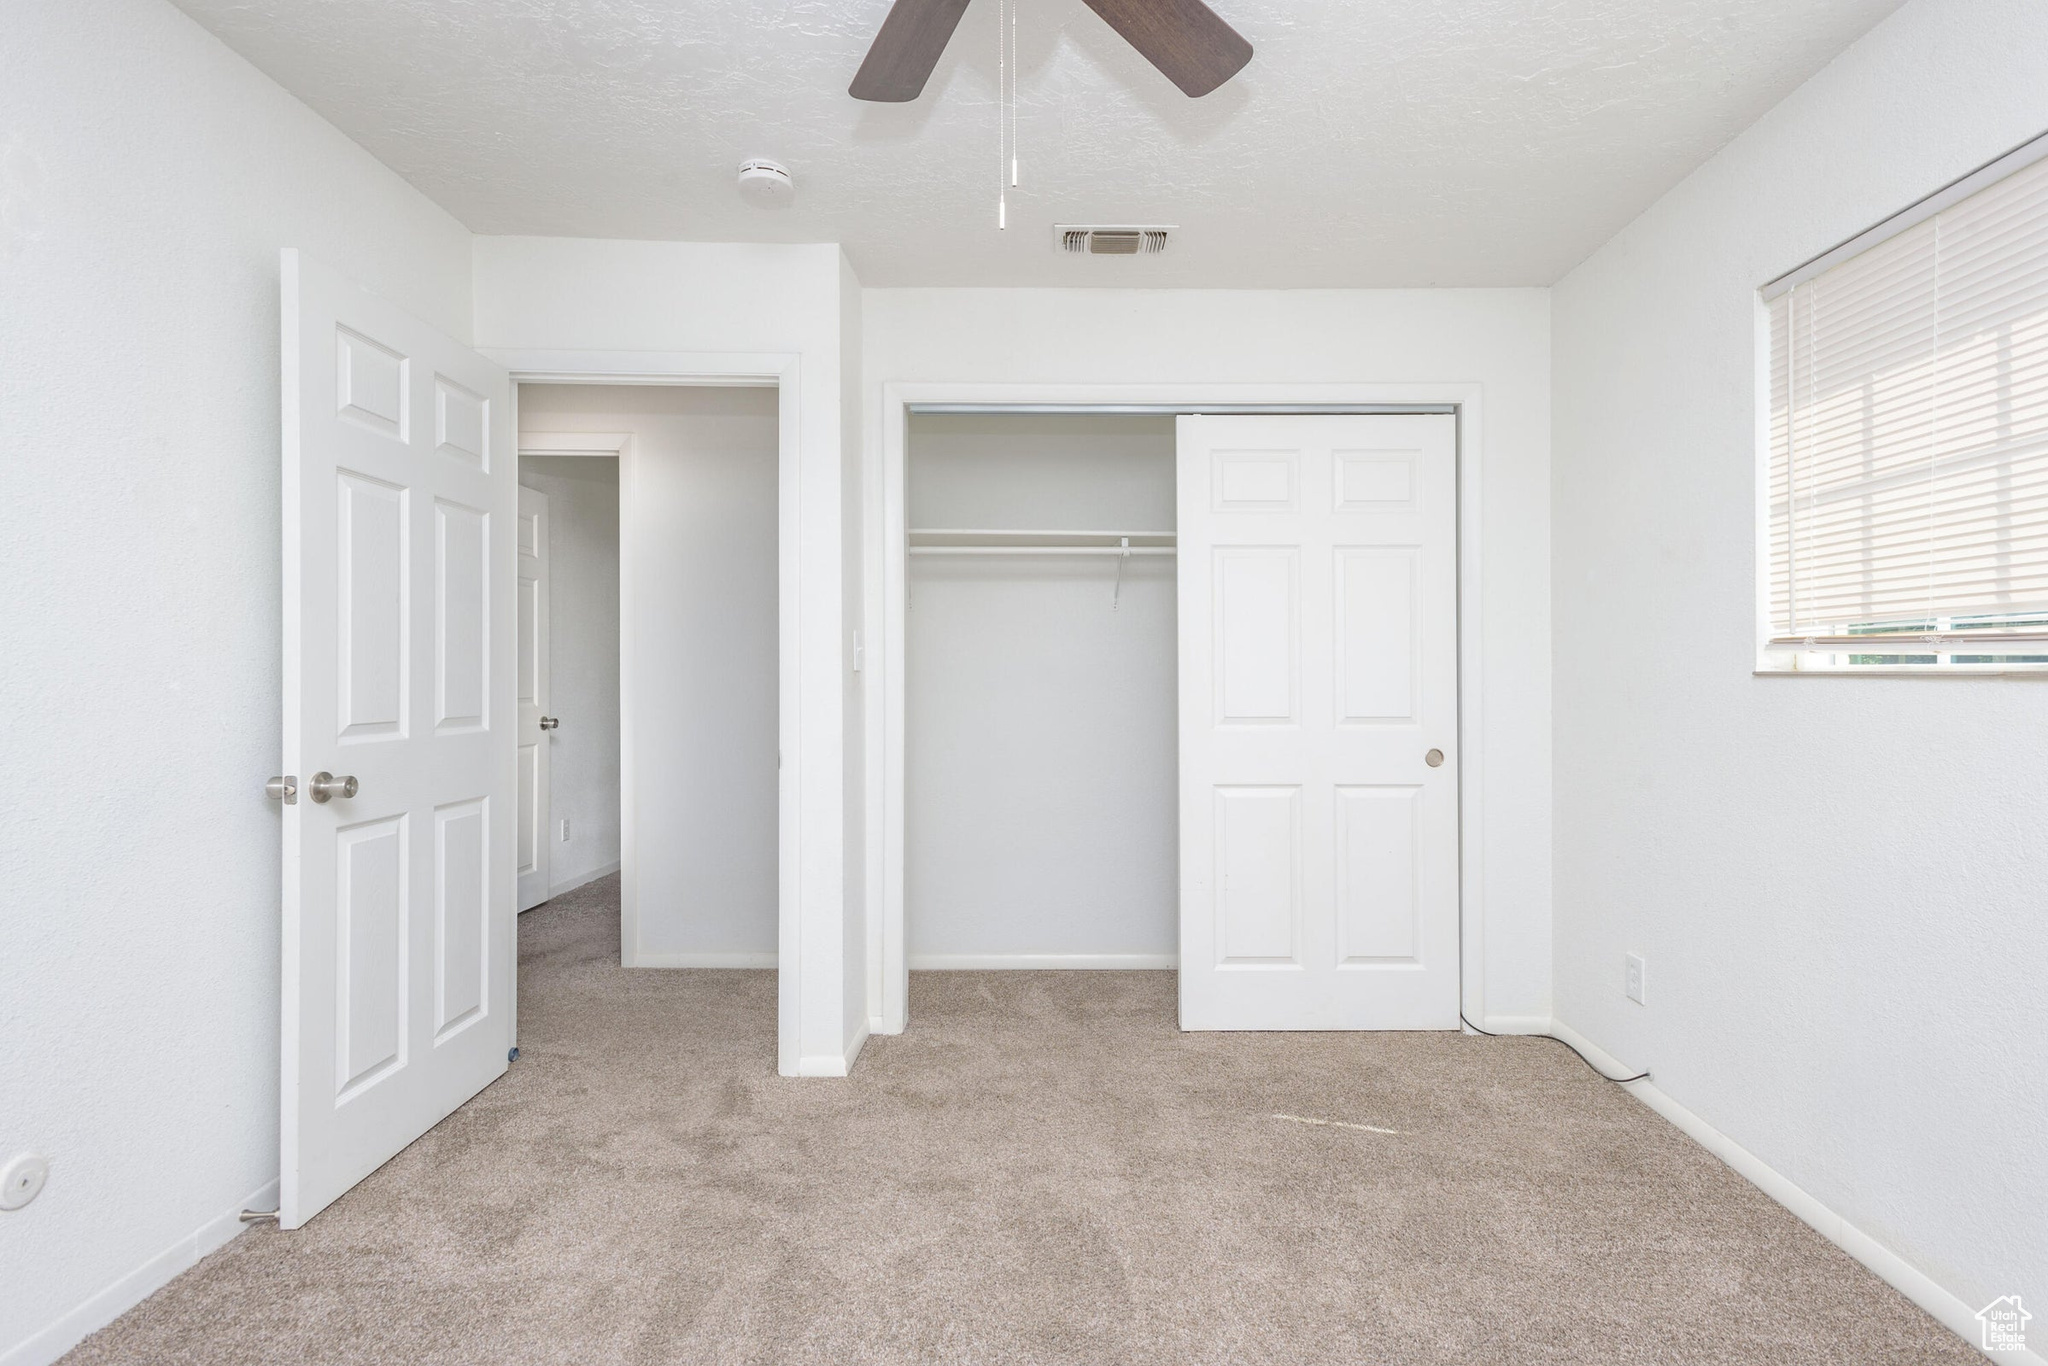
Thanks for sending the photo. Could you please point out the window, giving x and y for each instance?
(1908, 493)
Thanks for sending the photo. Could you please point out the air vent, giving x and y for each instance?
(1108, 240)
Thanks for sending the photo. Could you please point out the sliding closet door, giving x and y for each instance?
(1318, 722)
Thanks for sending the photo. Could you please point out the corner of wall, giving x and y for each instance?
(853, 585)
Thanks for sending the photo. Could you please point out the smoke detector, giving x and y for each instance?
(1111, 239)
(766, 182)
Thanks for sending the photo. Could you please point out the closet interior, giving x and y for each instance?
(1040, 747)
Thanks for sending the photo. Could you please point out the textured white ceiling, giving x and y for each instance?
(1376, 142)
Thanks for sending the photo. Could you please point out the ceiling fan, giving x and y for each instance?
(1183, 38)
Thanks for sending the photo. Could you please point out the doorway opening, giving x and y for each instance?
(649, 663)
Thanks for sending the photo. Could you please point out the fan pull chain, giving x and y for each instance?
(1006, 109)
(1002, 117)
(1013, 94)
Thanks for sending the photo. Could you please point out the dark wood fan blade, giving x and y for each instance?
(1183, 38)
(903, 54)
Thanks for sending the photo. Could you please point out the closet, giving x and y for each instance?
(1040, 779)
(1182, 690)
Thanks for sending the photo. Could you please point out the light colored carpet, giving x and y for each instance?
(1042, 1170)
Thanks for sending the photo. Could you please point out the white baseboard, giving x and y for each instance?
(704, 960)
(1515, 1024)
(584, 879)
(835, 1064)
(1058, 962)
(102, 1308)
(1948, 1308)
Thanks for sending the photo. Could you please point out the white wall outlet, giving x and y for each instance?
(1632, 979)
(22, 1180)
(565, 832)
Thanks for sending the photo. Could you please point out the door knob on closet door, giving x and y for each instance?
(550, 722)
(325, 787)
(1435, 758)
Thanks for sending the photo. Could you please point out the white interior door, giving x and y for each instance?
(536, 870)
(1318, 677)
(399, 471)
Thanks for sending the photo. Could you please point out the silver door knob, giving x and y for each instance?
(550, 722)
(1435, 759)
(325, 787)
(284, 788)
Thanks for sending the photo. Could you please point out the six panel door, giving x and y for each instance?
(398, 684)
(1318, 672)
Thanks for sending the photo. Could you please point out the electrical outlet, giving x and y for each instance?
(565, 832)
(1632, 981)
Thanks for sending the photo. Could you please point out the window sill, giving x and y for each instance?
(2033, 671)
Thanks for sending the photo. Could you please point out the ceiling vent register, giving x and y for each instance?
(1106, 240)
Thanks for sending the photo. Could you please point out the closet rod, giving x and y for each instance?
(1178, 409)
(1039, 550)
(1022, 533)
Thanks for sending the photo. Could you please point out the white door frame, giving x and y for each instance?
(717, 370)
(885, 569)
(537, 884)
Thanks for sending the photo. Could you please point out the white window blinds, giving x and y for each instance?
(1909, 430)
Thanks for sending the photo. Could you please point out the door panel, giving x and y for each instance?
(462, 607)
(1318, 637)
(462, 879)
(371, 897)
(1378, 830)
(1376, 625)
(1258, 874)
(370, 616)
(529, 792)
(398, 665)
(1257, 620)
(462, 424)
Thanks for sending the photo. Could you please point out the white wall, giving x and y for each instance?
(149, 178)
(1041, 798)
(1837, 882)
(698, 538)
(583, 651)
(1497, 339)
(774, 304)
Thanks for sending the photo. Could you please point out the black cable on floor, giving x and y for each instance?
(1618, 1081)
